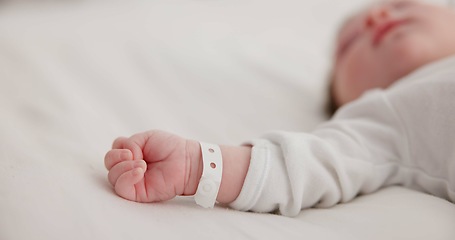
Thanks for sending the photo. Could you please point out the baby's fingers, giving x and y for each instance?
(115, 156)
(119, 143)
(123, 167)
(125, 183)
(130, 143)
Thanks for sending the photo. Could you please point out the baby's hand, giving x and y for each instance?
(152, 166)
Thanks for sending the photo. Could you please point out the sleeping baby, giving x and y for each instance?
(394, 87)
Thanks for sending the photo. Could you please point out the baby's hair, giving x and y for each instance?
(331, 106)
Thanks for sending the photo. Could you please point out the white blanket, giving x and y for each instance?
(74, 76)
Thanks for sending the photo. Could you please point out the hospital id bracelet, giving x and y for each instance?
(212, 171)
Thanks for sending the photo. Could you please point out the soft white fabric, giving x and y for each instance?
(74, 75)
(404, 135)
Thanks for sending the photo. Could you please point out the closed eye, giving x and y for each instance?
(403, 4)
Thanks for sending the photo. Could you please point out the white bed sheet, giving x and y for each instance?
(76, 75)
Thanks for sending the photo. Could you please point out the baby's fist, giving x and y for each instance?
(153, 166)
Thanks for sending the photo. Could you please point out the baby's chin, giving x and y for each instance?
(406, 52)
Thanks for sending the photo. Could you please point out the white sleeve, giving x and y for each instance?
(368, 145)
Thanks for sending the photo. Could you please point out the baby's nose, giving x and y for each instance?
(376, 15)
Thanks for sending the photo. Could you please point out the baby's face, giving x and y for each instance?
(386, 42)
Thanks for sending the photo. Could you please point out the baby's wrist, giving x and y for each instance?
(236, 161)
(194, 167)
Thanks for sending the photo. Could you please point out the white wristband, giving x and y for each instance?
(212, 171)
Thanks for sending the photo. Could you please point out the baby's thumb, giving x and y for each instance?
(124, 186)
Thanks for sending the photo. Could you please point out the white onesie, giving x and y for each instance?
(404, 135)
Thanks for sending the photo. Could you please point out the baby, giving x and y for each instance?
(394, 81)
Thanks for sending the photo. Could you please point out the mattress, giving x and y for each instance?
(75, 75)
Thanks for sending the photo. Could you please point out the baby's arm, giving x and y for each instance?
(157, 166)
(384, 138)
